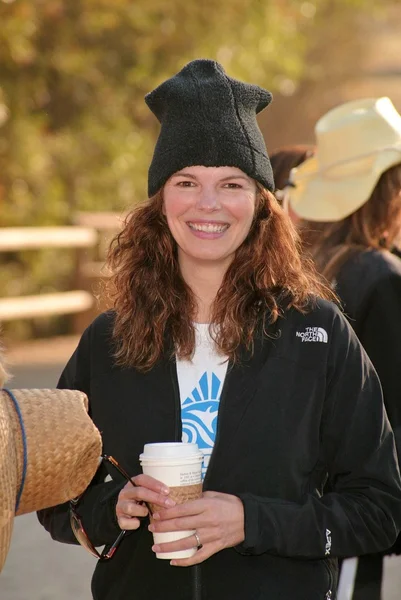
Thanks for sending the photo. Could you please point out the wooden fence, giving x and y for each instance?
(85, 237)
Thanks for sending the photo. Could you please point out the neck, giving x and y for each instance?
(204, 279)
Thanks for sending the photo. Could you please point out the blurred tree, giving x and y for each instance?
(75, 132)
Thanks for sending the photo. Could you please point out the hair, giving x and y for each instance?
(286, 158)
(152, 300)
(375, 225)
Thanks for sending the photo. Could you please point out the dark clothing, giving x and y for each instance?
(207, 118)
(306, 407)
(369, 576)
(369, 286)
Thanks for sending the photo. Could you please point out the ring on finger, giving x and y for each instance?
(199, 544)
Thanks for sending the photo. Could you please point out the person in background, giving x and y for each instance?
(224, 335)
(347, 202)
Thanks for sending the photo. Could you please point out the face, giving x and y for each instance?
(209, 211)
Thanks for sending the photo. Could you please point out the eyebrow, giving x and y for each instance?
(236, 177)
(190, 176)
(183, 174)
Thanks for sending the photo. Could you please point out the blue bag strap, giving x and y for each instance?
(24, 446)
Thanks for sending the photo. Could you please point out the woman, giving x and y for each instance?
(349, 201)
(218, 321)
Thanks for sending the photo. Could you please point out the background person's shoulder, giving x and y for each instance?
(373, 265)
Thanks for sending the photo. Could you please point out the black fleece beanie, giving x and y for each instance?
(208, 119)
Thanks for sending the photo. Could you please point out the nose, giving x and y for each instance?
(208, 200)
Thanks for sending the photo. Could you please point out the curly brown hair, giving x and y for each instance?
(375, 225)
(152, 300)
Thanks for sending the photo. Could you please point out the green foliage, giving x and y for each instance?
(75, 132)
(73, 73)
(73, 77)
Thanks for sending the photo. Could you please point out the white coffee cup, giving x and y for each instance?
(179, 466)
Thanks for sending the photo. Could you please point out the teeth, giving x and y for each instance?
(208, 227)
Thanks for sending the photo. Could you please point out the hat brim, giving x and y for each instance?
(334, 194)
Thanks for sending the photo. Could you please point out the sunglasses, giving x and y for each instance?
(78, 528)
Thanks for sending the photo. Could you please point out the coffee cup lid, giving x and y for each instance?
(170, 450)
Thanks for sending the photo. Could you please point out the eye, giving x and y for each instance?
(185, 183)
(231, 185)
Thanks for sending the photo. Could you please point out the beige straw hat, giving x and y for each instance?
(49, 452)
(356, 142)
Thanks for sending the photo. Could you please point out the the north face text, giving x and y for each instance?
(313, 334)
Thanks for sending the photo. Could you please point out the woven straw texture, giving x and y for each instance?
(63, 451)
(8, 481)
(181, 494)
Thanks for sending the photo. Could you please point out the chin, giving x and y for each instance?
(209, 257)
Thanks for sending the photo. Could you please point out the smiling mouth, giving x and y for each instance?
(209, 227)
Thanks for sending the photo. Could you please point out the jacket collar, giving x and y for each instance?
(239, 389)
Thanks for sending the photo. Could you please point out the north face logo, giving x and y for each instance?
(313, 334)
(328, 542)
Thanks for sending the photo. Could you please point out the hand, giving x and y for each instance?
(130, 507)
(217, 518)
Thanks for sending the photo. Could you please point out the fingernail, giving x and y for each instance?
(169, 502)
(156, 548)
(173, 563)
(166, 491)
(151, 528)
(156, 516)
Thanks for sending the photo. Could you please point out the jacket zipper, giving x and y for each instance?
(177, 402)
(197, 582)
(197, 591)
(196, 569)
(216, 441)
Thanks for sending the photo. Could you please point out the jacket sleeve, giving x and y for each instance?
(380, 335)
(362, 513)
(96, 507)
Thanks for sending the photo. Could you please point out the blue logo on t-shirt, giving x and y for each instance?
(199, 415)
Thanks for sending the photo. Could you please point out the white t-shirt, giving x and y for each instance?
(201, 382)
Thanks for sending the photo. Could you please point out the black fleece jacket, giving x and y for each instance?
(369, 286)
(305, 408)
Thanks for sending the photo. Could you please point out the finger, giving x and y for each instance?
(191, 508)
(128, 522)
(210, 494)
(151, 483)
(131, 509)
(185, 543)
(197, 558)
(182, 524)
(141, 494)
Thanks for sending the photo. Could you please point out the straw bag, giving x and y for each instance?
(49, 452)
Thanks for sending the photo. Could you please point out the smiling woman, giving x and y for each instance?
(209, 203)
(222, 334)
